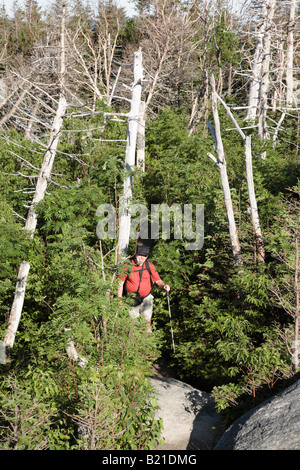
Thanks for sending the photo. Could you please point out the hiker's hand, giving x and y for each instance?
(167, 287)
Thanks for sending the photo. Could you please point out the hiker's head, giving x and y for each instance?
(142, 254)
(140, 259)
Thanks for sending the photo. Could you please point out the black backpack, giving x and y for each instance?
(138, 298)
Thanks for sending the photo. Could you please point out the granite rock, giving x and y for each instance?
(273, 425)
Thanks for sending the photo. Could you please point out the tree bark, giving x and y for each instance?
(290, 55)
(124, 222)
(259, 244)
(17, 306)
(269, 10)
(258, 239)
(221, 164)
(140, 150)
(255, 79)
(45, 172)
(257, 101)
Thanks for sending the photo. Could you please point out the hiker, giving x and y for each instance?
(139, 282)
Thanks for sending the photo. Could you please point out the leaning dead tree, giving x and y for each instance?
(257, 233)
(40, 190)
(221, 164)
(130, 154)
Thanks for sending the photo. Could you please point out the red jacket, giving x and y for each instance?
(133, 280)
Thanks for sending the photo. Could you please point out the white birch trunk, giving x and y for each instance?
(290, 55)
(39, 194)
(221, 164)
(125, 219)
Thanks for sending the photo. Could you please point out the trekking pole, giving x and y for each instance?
(168, 297)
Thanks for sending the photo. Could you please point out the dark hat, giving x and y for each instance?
(143, 250)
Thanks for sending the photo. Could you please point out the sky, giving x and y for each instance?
(44, 3)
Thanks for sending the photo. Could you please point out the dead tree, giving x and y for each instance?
(130, 154)
(41, 186)
(258, 239)
(269, 11)
(259, 85)
(167, 49)
(93, 47)
(140, 150)
(221, 164)
(290, 55)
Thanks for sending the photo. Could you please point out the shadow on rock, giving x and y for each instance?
(189, 417)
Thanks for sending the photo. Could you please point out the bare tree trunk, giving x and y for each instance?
(290, 55)
(197, 112)
(140, 150)
(269, 9)
(221, 164)
(30, 122)
(45, 172)
(114, 86)
(255, 80)
(278, 94)
(259, 244)
(41, 186)
(258, 239)
(124, 223)
(17, 306)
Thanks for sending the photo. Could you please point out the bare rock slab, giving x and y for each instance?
(189, 417)
(273, 425)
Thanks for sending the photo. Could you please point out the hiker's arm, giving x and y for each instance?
(120, 288)
(162, 285)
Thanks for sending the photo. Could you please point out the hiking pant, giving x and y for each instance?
(145, 308)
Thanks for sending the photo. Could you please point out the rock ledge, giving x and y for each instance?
(189, 416)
